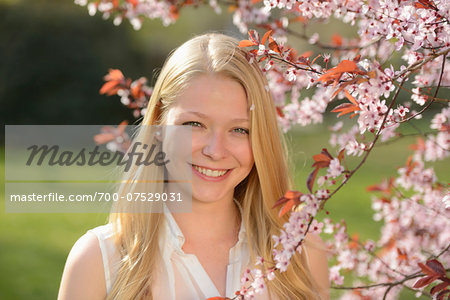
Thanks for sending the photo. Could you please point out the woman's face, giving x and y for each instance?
(215, 107)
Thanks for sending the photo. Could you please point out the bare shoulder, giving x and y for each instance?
(83, 276)
(318, 262)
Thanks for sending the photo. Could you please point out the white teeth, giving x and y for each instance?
(209, 172)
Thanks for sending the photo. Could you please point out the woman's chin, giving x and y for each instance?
(206, 197)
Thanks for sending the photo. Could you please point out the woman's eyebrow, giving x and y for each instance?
(201, 115)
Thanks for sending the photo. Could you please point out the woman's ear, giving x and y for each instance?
(158, 135)
(158, 132)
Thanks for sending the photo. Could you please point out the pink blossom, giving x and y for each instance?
(335, 169)
(354, 148)
(335, 276)
(401, 111)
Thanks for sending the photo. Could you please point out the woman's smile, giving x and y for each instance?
(211, 174)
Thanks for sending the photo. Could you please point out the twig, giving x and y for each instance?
(330, 47)
(417, 65)
(293, 64)
(394, 283)
(370, 286)
(401, 136)
(412, 201)
(378, 258)
(435, 93)
(429, 97)
(441, 253)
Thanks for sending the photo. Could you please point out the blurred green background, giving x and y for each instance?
(54, 56)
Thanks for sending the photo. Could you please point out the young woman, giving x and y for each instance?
(238, 171)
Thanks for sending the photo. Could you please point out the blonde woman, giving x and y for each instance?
(239, 170)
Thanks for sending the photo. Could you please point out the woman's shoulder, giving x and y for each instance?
(102, 232)
(83, 275)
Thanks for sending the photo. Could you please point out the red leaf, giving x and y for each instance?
(122, 126)
(424, 281)
(289, 195)
(263, 58)
(427, 4)
(103, 138)
(321, 160)
(437, 267)
(293, 194)
(311, 179)
(246, 43)
(344, 85)
(384, 186)
(321, 157)
(439, 287)
(136, 91)
(441, 295)
(133, 2)
(174, 11)
(287, 208)
(316, 58)
(110, 87)
(254, 36)
(420, 146)
(273, 45)
(336, 39)
(280, 112)
(266, 35)
(341, 155)
(427, 270)
(254, 51)
(350, 97)
(334, 74)
(353, 244)
(345, 108)
(325, 151)
(114, 74)
(307, 54)
(280, 201)
(232, 8)
(401, 255)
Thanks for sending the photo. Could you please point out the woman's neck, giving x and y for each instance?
(209, 221)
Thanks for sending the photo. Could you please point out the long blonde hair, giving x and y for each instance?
(137, 234)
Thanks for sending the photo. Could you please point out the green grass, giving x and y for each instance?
(33, 251)
(34, 247)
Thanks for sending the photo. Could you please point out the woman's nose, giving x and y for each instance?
(215, 146)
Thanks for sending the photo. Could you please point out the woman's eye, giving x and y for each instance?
(242, 130)
(193, 124)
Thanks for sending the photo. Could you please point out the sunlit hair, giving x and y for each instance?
(138, 233)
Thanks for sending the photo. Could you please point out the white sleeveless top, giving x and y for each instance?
(182, 277)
